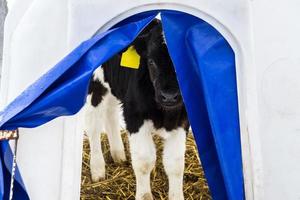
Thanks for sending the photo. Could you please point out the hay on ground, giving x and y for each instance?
(120, 181)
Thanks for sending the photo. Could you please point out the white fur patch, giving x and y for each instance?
(143, 155)
(173, 160)
(99, 75)
(113, 128)
(162, 133)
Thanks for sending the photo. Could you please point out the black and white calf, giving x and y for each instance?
(150, 102)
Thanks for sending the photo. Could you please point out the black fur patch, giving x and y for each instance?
(97, 90)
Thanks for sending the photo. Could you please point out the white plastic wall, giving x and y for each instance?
(277, 60)
(35, 39)
(263, 36)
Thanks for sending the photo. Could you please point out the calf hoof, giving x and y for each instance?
(97, 170)
(118, 156)
(98, 175)
(147, 196)
(96, 178)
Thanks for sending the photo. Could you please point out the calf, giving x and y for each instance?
(150, 102)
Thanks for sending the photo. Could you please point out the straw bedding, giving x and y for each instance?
(120, 181)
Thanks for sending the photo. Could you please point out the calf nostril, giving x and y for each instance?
(176, 97)
(164, 98)
(169, 98)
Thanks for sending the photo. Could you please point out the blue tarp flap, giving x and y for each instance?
(205, 68)
(49, 97)
(6, 156)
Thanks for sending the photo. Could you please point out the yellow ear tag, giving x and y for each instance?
(130, 58)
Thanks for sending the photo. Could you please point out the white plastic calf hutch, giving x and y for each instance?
(265, 43)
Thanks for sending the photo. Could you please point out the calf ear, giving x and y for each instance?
(140, 43)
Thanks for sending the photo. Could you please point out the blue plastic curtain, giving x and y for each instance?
(205, 68)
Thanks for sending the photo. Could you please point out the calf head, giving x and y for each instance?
(152, 47)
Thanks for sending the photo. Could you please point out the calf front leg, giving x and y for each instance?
(143, 155)
(93, 125)
(173, 160)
